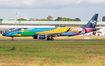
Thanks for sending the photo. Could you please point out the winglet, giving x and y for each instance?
(68, 30)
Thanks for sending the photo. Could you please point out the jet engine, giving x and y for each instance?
(39, 36)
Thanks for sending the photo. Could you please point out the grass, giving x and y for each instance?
(52, 53)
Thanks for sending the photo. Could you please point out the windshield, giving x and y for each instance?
(14, 29)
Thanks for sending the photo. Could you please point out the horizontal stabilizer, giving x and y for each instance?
(95, 29)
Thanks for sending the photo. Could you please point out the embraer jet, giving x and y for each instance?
(50, 32)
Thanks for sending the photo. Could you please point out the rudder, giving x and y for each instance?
(92, 22)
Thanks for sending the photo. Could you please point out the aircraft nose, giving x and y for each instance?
(3, 34)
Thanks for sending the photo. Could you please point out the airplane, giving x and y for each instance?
(50, 32)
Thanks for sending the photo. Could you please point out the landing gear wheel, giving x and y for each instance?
(52, 38)
(48, 38)
(94, 33)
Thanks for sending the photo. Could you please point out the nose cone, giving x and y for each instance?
(3, 34)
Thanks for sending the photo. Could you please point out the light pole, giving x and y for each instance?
(16, 18)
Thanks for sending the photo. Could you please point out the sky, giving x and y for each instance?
(41, 9)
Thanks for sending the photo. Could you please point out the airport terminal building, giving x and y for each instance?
(44, 23)
(50, 23)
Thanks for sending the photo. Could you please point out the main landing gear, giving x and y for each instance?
(50, 38)
(94, 33)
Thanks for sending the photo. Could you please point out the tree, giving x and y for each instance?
(42, 20)
(37, 19)
(32, 19)
(73, 19)
(63, 19)
(103, 19)
(58, 19)
(67, 19)
(49, 18)
(77, 19)
(21, 19)
(1, 19)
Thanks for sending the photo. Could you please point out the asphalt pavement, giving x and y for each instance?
(58, 40)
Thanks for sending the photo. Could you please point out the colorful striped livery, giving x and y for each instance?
(50, 32)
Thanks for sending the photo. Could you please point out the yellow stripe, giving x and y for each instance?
(18, 34)
(73, 28)
(57, 30)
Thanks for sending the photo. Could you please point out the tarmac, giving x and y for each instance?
(76, 40)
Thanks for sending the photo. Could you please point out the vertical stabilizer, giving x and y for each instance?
(92, 22)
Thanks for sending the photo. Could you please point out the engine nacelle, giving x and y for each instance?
(41, 36)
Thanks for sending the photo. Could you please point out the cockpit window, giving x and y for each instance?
(14, 29)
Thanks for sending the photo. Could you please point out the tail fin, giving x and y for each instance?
(92, 22)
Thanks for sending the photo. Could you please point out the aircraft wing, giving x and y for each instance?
(52, 34)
